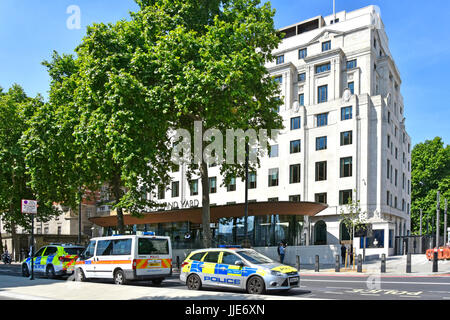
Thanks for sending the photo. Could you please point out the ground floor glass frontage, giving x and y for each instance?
(261, 231)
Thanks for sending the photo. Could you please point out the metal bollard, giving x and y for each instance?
(408, 263)
(435, 262)
(298, 263)
(337, 266)
(383, 263)
(359, 268)
(317, 264)
(178, 263)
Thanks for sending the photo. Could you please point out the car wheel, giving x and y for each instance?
(119, 277)
(193, 282)
(25, 271)
(157, 282)
(50, 272)
(79, 275)
(255, 285)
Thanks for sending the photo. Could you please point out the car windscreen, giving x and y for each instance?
(73, 251)
(254, 257)
(153, 246)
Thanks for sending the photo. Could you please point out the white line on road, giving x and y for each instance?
(381, 281)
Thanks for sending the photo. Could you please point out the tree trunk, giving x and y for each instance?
(118, 196)
(1, 239)
(206, 214)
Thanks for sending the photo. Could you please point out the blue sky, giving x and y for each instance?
(418, 33)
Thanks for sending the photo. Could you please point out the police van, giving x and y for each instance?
(124, 258)
(239, 268)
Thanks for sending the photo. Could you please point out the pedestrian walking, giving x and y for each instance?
(281, 251)
(343, 253)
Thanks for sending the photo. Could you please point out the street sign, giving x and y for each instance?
(29, 206)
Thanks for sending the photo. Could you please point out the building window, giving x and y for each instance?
(232, 185)
(388, 166)
(326, 45)
(323, 67)
(322, 94)
(351, 86)
(294, 173)
(322, 119)
(161, 192)
(280, 59)
(346, 138)
(301, 77)
(278, 79)
(302, 53)
(295, 146)
(396, 174)
(321, 143)
(59, 229)
(175, 189)
(273, 177)
(321, 171)
(295, 123)
(346, 167)
(301, 99)
(273, 151)
(346, 113)
(351, 64)
(294, 198)
(252, 180)
(272, 199)
(193, 186)
(387, 197)
(320, 198)
(345, 196)
(213, 185)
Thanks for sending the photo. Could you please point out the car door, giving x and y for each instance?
(37, 260)
(48, 256)
(86, 260)
(208, 275)
(230, 273)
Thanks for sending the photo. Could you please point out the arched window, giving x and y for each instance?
(320, 233)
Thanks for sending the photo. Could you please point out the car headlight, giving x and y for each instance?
(276, 273)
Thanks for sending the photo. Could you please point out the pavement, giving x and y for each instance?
(395, 265)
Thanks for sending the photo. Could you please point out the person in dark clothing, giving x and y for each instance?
(343, 253)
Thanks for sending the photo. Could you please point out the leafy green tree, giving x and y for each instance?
(430, 172)
(15, 110)
(352, 217)
(211, 58)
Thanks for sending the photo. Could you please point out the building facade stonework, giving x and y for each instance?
(344, 133)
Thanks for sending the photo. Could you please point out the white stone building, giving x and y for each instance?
(344, 131)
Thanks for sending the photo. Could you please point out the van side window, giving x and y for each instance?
(121, 247)
(89, 252)
(104, 247)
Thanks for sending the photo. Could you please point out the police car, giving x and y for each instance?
(53, 260)
(238, 268)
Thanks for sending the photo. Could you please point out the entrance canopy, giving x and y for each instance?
(194, 215)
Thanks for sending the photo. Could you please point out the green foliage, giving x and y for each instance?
(352, 217)
(430, 172)
(15, 110)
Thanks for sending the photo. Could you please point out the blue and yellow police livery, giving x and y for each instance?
(237, 268)
(53, 260)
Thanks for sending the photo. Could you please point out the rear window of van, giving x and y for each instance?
(153, 246)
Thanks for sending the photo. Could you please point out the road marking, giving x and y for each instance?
(410, 297)
(332, 292)
(381, 281)
(448, 298)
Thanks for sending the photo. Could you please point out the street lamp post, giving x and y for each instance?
(246, 196)
(437, 220)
